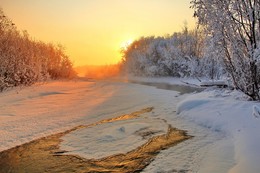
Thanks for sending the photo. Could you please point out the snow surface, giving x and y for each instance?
(225, 126)
(237, 119)
(112, 138)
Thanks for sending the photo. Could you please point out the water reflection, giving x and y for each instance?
(183, 89)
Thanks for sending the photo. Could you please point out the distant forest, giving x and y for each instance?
(24, 61)
(225, 45)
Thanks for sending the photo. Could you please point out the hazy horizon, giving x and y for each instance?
(93, 31)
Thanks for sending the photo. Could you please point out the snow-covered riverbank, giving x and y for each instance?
(225, 128)
(226, 113)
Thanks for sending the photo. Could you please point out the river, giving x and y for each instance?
(89, 102)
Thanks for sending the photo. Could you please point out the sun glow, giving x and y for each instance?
(94, 31)
(126, 44)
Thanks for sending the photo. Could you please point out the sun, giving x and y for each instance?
(126, 44)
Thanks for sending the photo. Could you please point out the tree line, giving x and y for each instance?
(182, 54)
(25, 61)
(226, 44)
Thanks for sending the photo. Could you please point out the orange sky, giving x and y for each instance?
(94, 30)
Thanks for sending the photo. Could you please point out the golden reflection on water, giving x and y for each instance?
(43, 155)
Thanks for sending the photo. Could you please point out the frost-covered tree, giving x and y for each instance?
(234, 28)
(180, 55)
(24, 61)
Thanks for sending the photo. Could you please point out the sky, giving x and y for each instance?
(93, 31)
